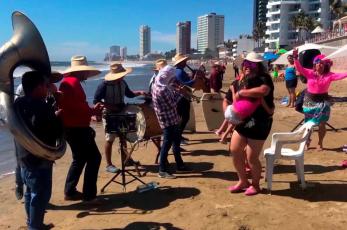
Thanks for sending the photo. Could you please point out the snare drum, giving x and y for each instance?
(120, 123)
(146, 122)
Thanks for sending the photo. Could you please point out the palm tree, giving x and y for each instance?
(259, 32)
(338, 8)
(303, 22)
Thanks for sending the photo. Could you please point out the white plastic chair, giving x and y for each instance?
(277, 151)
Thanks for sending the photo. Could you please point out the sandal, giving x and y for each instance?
(252, 190)
(238, 188)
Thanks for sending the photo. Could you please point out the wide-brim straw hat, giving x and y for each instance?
(159, 64)
(55, 77)
(117, 71)
(180, 58)
(254, 57)
(79, 65)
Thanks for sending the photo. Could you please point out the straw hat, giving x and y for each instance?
(55, 77)
(117, 71)
(160, 63)
(79, 65)
(254, 57)
(179, 58)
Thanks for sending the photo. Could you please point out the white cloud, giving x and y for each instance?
(163, 38)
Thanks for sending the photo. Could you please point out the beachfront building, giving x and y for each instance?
(183, 37)
(280, 31)
(123, 53)
(259, 11)
(145, 40)
(115, 50)
(243, 45)
(210, 32)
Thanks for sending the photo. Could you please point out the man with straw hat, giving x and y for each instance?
(183, 106)
(159, 64)
(111, 94)
(76, 115)
(165, 98)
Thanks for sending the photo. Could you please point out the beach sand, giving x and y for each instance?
(200, 200)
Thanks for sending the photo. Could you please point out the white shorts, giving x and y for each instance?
(110, 137)
(231, 116)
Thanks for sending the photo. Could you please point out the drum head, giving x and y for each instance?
(140, 124)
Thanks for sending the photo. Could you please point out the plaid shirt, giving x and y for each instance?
(165, 105)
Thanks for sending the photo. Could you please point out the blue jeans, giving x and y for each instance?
(172, 136)
(38, 192)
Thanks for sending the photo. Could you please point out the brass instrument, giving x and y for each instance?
(26, 47)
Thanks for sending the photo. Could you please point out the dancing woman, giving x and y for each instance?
(248, 138)
(316, 105)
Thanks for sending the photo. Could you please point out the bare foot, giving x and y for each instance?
(218, 133)
(319, 148)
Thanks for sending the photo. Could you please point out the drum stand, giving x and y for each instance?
(123, 171)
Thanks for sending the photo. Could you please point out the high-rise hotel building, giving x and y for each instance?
(280, 15)
(210, 32)
(259, 11)
(145, 40)
(183, 37)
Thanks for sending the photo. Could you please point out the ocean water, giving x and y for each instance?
(138, 79)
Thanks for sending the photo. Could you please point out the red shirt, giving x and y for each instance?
(216, 81)
(75, 109)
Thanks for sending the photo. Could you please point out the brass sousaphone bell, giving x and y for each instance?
(27, 48)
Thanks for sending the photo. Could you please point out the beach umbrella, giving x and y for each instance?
(282, 60)
(318, 30)
(282, 51)
(270, 56)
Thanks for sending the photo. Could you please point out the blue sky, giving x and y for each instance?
(87, 27)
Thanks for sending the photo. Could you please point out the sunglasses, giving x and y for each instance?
(249, 64)
(317, 61)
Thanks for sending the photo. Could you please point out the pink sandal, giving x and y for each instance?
(344, 164)
(251, 191)
(238, 188)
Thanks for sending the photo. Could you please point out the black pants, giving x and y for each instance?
(183, 110)
(85, 152)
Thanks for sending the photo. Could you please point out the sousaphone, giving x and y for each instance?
(26, 48)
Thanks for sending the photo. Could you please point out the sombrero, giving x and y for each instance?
(79, 65)
(117, 71)
(254, 57)
(179, 58)
(160, 63)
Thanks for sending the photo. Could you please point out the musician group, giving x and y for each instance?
(69, 114)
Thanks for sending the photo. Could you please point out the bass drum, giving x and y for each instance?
(146, 122)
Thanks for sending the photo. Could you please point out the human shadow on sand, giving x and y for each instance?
(194, 166)
(204, 141)
(309, 169)
(141, 203)
(198, 170)
(217, 152)
(315, 192)
(147, 226)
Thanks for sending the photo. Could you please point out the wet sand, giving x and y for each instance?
(200, 200)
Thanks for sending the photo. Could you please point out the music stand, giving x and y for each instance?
(122, 131)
